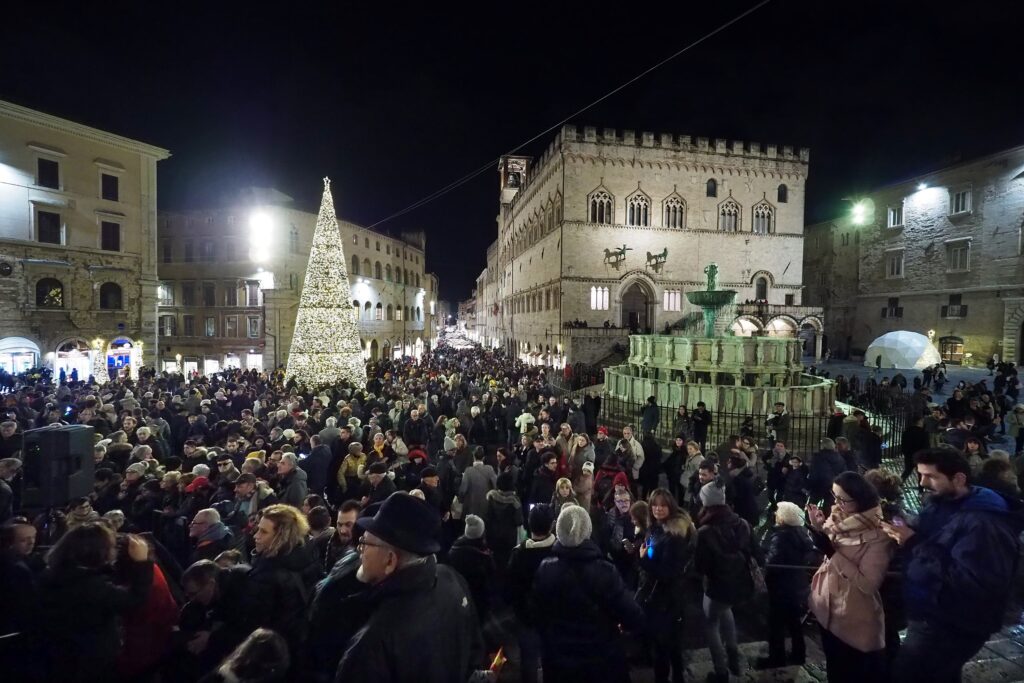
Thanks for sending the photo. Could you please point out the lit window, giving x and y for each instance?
(958, 256)
(961, 202)
(49, 293)
(254, 327)
(672, 300)
(894, 264)
(896, 216)
(599, 298)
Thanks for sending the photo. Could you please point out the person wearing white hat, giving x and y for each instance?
(565, 587)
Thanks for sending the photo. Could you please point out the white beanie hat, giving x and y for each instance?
(573, 526)
(474, 527)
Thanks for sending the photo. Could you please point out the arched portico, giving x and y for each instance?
(637, 303)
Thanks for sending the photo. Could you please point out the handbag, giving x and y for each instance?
(645, 593)
(456, 508)
(756, 576)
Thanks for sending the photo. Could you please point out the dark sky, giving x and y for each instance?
(394, 103)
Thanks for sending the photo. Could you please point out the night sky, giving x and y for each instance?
(394, 103)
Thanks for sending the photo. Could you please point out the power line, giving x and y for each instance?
(490, 164)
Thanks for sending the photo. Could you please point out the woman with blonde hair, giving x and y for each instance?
(564, 494)
(845, 591)
(282, 572)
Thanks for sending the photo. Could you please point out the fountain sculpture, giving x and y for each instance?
(728, 373)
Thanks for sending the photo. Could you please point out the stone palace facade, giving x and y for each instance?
(608, 230)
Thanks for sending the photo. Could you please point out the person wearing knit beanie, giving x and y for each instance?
(474, 527)
(573, 526)
(712, 493)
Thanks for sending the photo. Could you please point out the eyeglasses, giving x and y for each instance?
(363, 544)
(844, 501)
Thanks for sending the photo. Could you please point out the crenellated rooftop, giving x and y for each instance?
(663, 141)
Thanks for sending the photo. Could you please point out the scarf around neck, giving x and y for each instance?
(858, 528)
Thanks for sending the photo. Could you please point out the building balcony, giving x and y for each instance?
(767, 311)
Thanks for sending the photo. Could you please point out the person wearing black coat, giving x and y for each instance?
(579, 601)
(542, 485)
(665, 556)
(741, 490)
(725, 546)
(283, 572)
(825, 466)
(80, 604)
(470, 557)
(422, 625)
(788, 544)
(503, 518)
(915, 439)
(316, 465)
(522, 568)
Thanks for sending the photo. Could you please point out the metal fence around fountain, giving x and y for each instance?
(803, 436)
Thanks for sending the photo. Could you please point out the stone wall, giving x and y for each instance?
(992, 227)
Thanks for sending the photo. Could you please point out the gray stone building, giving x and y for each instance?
(939, 254)
(607, 231)
(78, 267)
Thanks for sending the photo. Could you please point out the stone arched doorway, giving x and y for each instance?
(637, 306)
(374, 350)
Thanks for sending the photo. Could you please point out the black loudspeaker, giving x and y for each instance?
(57, 465)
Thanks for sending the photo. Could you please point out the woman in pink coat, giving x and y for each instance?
(844, 591)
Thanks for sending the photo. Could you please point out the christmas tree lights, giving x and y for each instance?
(99, 363)
(325, 346)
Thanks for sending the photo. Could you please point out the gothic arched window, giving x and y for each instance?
(675, 212)
(600, 207)
(729, 215)
(638, 210)
(763, 218)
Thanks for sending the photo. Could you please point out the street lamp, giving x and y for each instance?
(177, 362)
(260, 227)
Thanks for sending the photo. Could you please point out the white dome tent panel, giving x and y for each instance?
(903, 350)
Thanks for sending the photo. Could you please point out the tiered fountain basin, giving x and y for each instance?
(730, 374)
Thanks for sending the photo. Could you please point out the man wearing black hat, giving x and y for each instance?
(378, 486)
(423, 625)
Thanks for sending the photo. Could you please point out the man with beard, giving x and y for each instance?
(959, 563)
(411, 599)
(339, 607)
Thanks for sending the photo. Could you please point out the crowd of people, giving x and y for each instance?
(455, 513)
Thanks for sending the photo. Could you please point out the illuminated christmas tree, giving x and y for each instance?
(325, 347)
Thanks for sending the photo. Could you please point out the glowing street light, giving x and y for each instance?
(922, 186)
(260, 231)
(860, 213)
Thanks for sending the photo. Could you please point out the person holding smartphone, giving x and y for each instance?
(960, 560)
(845, 590)
(80, 606)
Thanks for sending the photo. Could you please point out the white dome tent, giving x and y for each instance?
(902, 349)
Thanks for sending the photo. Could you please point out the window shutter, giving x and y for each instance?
(899, 312)
(963, 311)
(884, 311)
(945, 312)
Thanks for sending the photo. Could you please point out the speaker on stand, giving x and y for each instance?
(57, 466)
